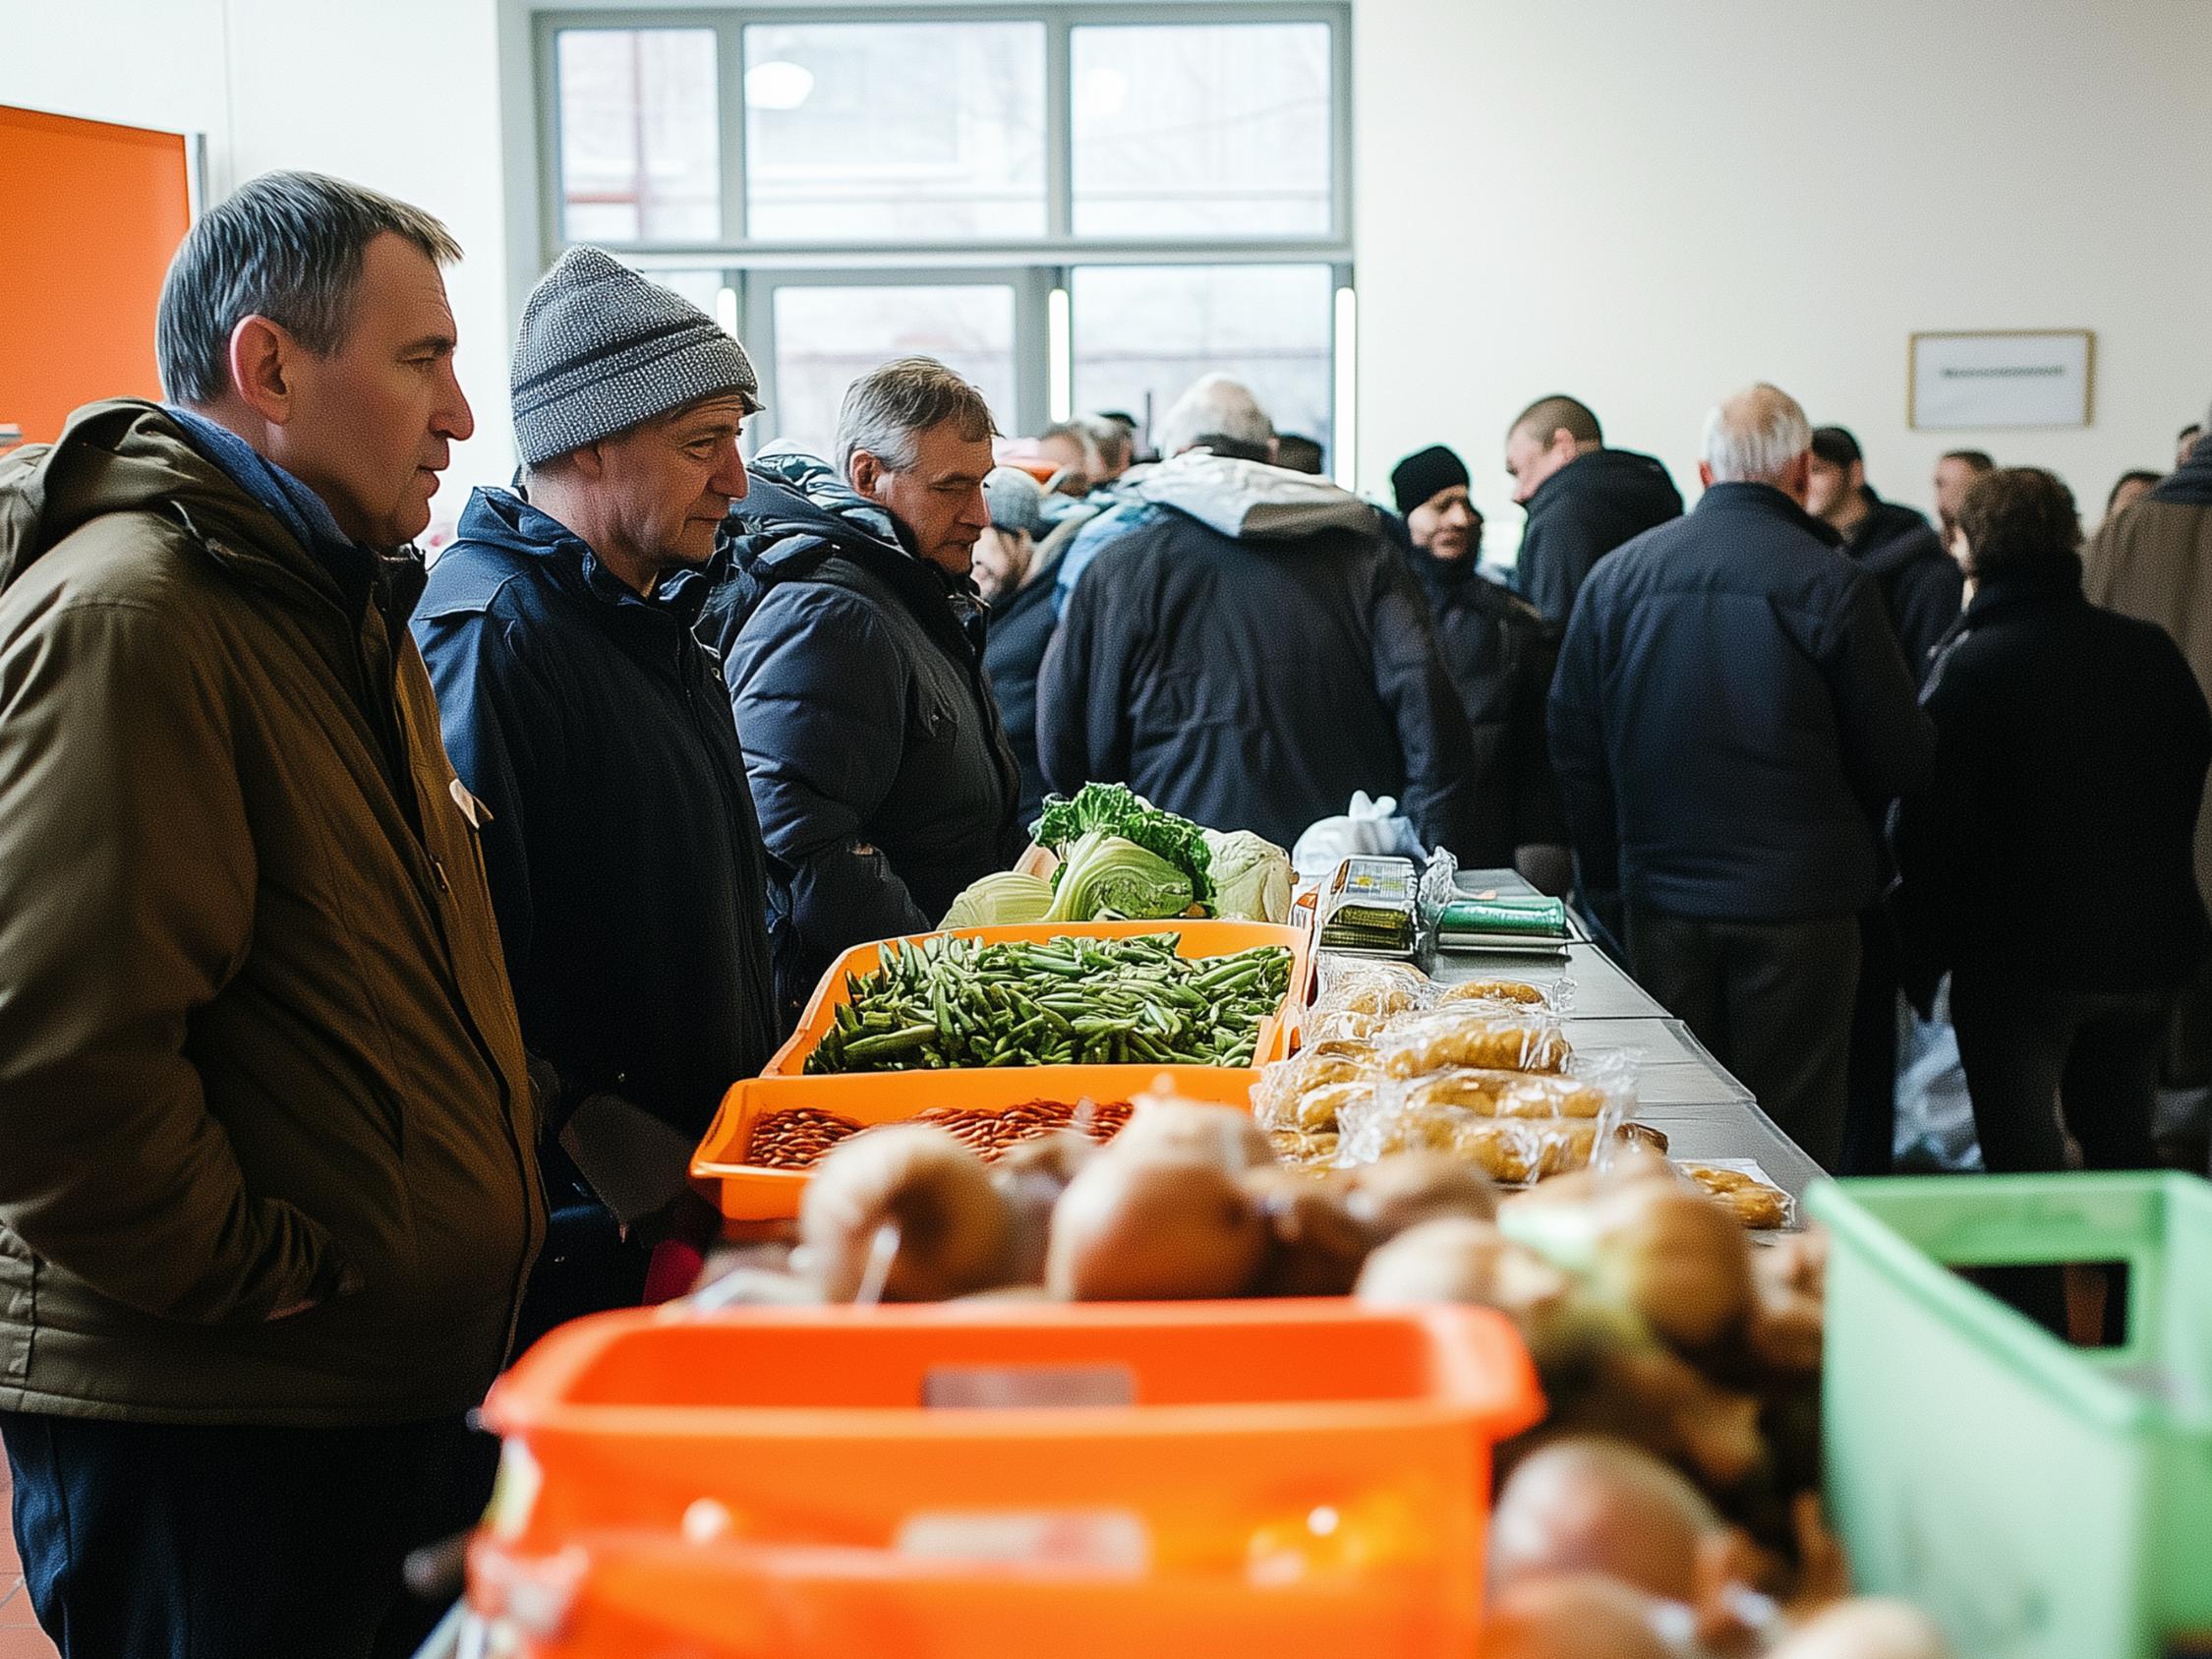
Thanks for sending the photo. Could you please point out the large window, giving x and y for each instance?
(844, 185)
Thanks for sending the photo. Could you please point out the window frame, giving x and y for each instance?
(1036, 267)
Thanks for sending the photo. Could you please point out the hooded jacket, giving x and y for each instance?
(625, 859)
(1582, 513)
(257, 1045)
(1731, 718)
(2070, 742)
(1251, 658)
(1921, 584)
(1501, 654)
(2154, 562)
(879, 766)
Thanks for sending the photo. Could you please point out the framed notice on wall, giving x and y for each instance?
(2001, 377)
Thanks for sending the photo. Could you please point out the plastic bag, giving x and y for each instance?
(1558, 999)
(1370, 829)
(1308, 1093)
(1516, 1127)
(1361, 985)
(1474, 1034)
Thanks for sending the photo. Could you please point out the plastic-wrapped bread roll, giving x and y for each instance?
(1476, 1036)
(1305, 1093)
(1505, 1094)
(1494, 991)
(1380, 989)
(1756, 1204)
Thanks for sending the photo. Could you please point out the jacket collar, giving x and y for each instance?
(2190, 483)
(2056, 581)
(508, 519)
(1765, 502)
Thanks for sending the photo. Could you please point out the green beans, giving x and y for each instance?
(949, 1002)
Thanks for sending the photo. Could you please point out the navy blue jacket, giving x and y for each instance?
(1254, 682)
(2054, 839)
(624, 861)
(1921, 583)
(1582, 513)
(877, 758)
(1731, 717)
(1022, 629)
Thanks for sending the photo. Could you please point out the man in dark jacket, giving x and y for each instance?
(593, 728)
(1250, 651)
(1918, 578)
(269, 1197)
(1920, 586)
(851, 643)
(1500, 655)
(1582, 498)
(1729, 721)
(2154, 562)
(2047, 862)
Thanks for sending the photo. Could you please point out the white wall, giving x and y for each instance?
(1647, 203)
(401, 95)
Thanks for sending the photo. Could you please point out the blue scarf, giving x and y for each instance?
(297, 508)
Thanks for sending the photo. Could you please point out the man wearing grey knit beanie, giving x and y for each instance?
(604, 777)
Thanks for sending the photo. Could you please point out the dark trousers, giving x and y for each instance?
(2035, 1056)
(153, 1541)
(1870, 1122)
(1771, 999)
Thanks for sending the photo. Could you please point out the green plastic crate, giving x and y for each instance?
(2040, 1501)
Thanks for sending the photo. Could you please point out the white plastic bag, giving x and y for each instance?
(1370, 829)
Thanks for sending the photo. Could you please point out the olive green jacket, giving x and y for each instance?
(256, 1045)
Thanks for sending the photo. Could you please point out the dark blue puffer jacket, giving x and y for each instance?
(1731, 717)
(623, 856)
(878, 761)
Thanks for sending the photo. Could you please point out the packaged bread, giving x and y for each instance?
(1342, 1025)
(1508, 1093)
(1494, 991)
(1305, 1093)
(1756, 1202)
(1303, 1151)
(1510, 1149)
(1481, 1036)
(1378, 990)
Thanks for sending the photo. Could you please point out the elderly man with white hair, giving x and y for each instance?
(1730, 721)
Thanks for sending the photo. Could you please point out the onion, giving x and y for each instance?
(1136, 1227)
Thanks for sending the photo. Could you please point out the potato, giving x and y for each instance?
(1139, 1226)
(1315, 1246)
(1030, 1175)
(1224, 1136)
(948, 1230)
(1406, 1189)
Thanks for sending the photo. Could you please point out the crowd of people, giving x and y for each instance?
(375, 943)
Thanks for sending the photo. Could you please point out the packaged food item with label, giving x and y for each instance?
(1479, 1035)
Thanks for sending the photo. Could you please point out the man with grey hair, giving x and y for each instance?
(1730, 720)
(851, 640)
(590, 724)
(269, 1197)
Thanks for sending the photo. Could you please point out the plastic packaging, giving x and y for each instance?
(1307, 1094)
(1367, 985)
(1515, 1126)
(1473, 1034)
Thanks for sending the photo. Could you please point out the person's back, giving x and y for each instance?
(1253, 682)
(2075, 744)
(1730, 645)
(1729, 720)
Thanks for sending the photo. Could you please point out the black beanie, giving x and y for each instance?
(1425, 474)
(1836, 446)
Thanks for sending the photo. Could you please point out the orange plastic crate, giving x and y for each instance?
(1199, 939)
(749, 1192)
(1311, 1474)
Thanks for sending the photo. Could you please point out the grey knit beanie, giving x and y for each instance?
(603, 350)
(1014, 501)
